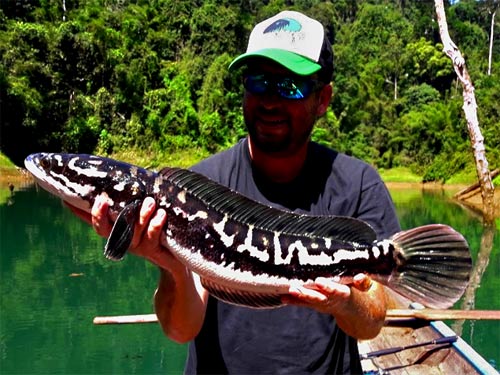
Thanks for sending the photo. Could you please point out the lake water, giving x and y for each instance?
(54, 280)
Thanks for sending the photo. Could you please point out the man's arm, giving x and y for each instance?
(180, 304)
(180, 300)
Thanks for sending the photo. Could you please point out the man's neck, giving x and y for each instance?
(278, 168)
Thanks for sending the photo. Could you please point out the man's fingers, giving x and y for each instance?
(153, 234)
(326, 295)
(147, 208)
(330, 285)
(303, 293)
(100, 219)
(148, 242)
(156, 225)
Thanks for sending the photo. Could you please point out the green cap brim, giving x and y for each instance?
(296, 63)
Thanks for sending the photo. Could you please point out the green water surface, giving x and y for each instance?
(54, 280)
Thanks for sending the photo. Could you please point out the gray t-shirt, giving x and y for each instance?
(289, 340)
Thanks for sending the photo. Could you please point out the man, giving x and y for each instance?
(287, 72)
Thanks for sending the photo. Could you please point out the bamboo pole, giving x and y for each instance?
(425, 314)
(126, 319)
(435, 314)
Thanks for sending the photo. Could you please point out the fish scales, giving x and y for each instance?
(250, 254)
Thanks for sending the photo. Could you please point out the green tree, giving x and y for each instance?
(96, 76)
(426, 63)
(221, 122)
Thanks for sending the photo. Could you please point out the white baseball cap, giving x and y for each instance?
(291, 39)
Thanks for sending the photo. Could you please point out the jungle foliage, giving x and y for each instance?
(105, 76)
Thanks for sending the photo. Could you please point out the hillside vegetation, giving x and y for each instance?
(149, 79)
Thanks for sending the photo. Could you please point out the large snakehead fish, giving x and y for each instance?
(248, 253)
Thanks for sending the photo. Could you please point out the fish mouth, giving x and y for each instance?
(32, 163)
(54, 184)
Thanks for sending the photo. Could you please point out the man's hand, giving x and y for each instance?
(146, 241)
(180, 300)
(326, 295)
(358, 307)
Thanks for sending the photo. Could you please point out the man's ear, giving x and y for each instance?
(325, 97)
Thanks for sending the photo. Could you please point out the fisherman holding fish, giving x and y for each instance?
(286, 72)
(267, 251)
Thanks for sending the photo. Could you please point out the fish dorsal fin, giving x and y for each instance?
(249, 212)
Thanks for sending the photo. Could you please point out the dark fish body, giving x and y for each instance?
(250, 254)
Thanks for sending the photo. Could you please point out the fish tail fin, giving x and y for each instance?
(433, 265)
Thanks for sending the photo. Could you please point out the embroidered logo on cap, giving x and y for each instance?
(284, 24)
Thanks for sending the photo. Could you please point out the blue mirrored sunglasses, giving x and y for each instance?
(286, 87)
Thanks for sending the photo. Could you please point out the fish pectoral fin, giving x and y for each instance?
(123, 230)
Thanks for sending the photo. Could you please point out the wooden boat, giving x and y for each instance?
(416, 346)
(413, 342)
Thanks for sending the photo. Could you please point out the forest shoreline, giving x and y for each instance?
(20, 178)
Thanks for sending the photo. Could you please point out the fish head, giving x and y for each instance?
(78, 179)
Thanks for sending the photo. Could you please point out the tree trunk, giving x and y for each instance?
(64, 10)
(491, 40)
(470, 110)
(395, 87)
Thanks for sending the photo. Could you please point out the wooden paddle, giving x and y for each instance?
(424, 314)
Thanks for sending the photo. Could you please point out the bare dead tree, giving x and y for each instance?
(470, 110)
(492, 9)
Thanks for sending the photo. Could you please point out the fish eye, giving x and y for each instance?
(45, 163)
